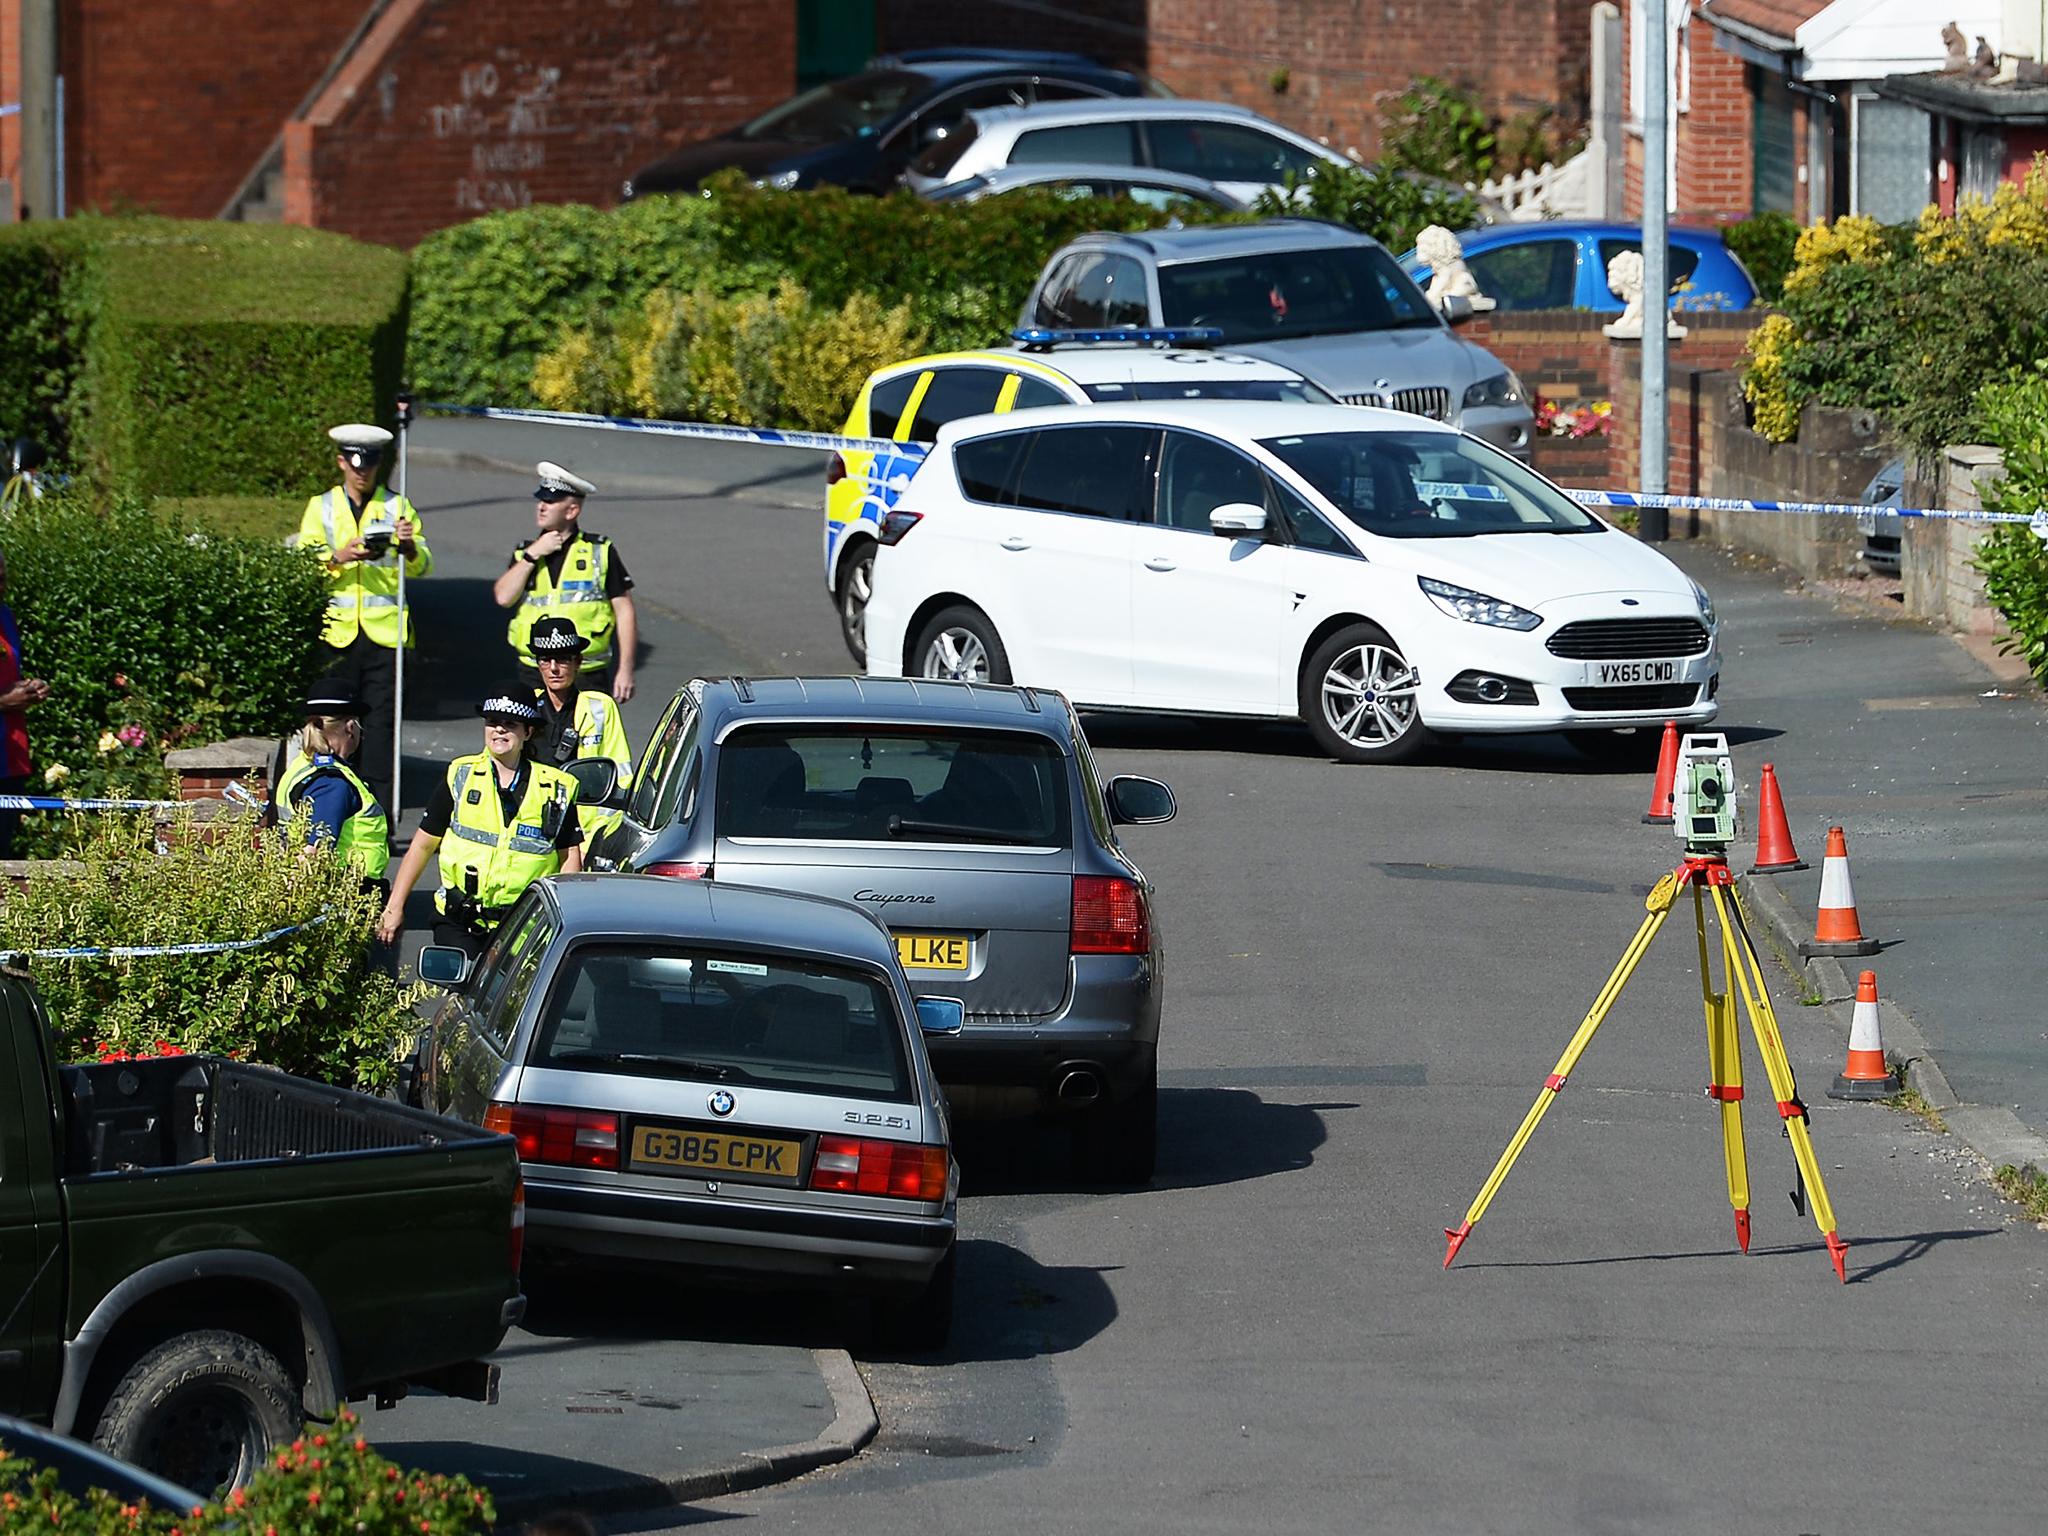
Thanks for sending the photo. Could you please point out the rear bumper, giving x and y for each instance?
(1109, 1027)
(732, 1234)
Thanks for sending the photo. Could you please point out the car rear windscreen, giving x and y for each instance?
(893, 784)
(666, 1010)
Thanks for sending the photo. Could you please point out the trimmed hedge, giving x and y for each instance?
(490, 297)
(183, 358)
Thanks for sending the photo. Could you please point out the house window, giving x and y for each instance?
(1774, 143)
(1983, 161)
(1891, 159)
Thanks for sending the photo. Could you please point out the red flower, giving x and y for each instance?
(312, 1495)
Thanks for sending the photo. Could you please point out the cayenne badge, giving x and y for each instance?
(722, 1101)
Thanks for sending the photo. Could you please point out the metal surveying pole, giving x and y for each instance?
(404, 409)
(1655, 522)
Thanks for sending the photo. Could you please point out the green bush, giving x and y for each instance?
(1763, 243)
(184, 357)
(143, 624)
(492, 296)
(308, 1002)
(1376, 199)
(327, 1483)
(2012, 558)
(761, 359)
(1435, 127)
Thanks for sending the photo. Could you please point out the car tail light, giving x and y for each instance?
(518, 1223)
(676, 871)
(853, 1165)
(897, 523)
(835, 469)
(568, 1138)
(1109, 917)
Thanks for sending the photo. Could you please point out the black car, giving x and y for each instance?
(862, 131)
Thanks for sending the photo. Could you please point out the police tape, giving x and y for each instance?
(234, 793)
(148, 951)
(833, 442)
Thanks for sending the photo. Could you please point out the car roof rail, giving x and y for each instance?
(1039, 338)
(743, 688)
(1030, 699)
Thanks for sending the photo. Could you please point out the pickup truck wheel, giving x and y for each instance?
(206, 1409)
(922, 1321)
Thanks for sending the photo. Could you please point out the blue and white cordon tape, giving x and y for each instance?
(145, 951)
(772, 437)
(234, 792)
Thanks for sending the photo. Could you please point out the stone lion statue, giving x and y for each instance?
(1448, 273)
(1625, 282)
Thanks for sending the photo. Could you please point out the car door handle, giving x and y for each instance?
(1013, 543)
(1160, 563)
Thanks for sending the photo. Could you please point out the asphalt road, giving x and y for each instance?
(1371, 971)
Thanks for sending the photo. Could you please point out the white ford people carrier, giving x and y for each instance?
(1377, 575)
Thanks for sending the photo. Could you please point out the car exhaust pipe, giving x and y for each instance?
(1079, 1085)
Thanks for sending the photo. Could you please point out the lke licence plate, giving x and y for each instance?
(931, 951)
(1637, 672)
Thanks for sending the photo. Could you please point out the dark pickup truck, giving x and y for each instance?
(197, 1256)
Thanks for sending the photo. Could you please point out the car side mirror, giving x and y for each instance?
(941, 1015)
(597, 782)
(1135, 801)
(1455, 307)
(443, 965)
(1238, 520)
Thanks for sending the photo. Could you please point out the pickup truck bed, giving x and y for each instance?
(255, 1247)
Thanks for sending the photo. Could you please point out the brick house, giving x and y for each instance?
(1779, 104)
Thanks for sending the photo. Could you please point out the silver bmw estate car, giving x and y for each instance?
(703, 1075)
(974, 822)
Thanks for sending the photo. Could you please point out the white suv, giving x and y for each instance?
(1234, 147)
(1375, 574)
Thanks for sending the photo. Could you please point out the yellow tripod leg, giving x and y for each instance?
(1724, 1065)
(1659, 906)
(1771, 1046)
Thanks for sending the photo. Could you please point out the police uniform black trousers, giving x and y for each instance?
(373, 671)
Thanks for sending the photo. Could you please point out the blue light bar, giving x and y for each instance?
(1037, 336)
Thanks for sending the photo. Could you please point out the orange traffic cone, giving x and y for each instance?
(1837, 931)
(1866, 1076)
(1663, 790)
(1774, 850)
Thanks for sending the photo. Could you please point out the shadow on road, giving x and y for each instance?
(1207, 1136)
(1909, 1246)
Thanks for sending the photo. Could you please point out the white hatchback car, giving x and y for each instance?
(1375, 574)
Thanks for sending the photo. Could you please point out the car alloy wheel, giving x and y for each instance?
(960, 643)
(856, 586)
(1361, 698)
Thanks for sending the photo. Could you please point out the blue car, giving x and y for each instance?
(1562, 264)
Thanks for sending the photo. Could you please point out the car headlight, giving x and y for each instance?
(1699, 595)
(1501, 389)
(781, 181)
(1477, 607)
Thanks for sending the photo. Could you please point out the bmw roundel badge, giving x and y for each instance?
(722, 1101)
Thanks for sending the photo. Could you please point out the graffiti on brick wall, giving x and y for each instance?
(504, 114)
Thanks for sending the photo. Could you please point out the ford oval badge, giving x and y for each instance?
(721, 1101)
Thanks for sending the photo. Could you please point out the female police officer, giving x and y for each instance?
(500, 822)
(342, 809)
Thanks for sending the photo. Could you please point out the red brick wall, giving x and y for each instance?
(10, 90)
(1713, 133)
(1339, 55)
(456, 107)
(1561, 356)
(1714, 341)
(170, 105)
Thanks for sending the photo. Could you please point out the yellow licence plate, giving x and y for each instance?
(765, 1159)
(931, 951)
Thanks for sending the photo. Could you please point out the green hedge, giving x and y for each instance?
(187, 358)
(156, 627)
(490, 297)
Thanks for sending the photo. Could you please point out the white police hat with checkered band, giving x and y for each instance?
(556, 482)
(361, 445)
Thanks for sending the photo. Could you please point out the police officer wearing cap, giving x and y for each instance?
(339, 803)
(500, 822)
(361, 530)
(575, 721)
(566, 573)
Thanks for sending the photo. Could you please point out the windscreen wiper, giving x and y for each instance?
(675, 1065)
(905, 826)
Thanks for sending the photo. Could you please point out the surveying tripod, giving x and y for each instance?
(1707, 875)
